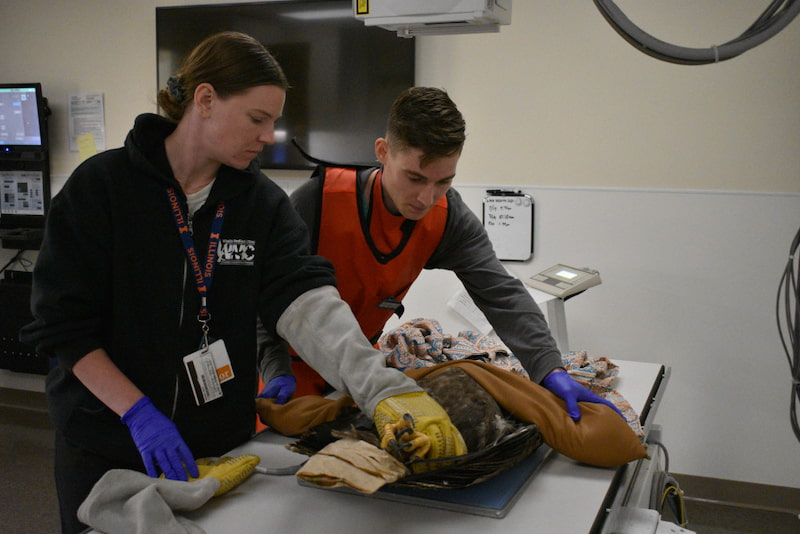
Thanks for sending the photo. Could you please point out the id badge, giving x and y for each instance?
(207, 369)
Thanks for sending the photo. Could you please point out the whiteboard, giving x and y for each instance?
(508, 219)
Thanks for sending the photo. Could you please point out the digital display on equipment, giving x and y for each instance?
(19, 116)
(567, 275)
(24, 160)
(22, 193)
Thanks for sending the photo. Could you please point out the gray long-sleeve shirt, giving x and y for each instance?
(465, 250)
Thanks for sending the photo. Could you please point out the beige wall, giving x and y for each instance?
(557, 98)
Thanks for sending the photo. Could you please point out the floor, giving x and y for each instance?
(707, 518)
(716, 506)
(27, 492)
(29, 504)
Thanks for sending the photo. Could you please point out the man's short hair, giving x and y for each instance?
(427, 119)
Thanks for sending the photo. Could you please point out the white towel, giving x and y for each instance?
(125, 501)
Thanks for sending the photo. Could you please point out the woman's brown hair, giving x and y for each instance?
(232, 62)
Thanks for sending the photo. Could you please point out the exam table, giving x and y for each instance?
(560, 495)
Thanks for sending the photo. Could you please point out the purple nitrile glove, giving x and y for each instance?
(565, 387)
(280, 388)
(159, 442)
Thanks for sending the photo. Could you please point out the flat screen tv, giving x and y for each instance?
(343, 75)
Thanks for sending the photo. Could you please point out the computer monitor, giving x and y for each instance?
(23, 121)
(24, 196)
(24, 159)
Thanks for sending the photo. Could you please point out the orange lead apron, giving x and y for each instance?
(374, 268)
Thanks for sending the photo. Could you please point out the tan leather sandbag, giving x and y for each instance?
(600, 438)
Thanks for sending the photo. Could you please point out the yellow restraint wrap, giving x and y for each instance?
(429, 419)
(230, 471)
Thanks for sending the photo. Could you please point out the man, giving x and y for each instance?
(381, 226)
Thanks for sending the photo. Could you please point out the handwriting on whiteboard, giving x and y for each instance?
(508, 219)
(500, 212)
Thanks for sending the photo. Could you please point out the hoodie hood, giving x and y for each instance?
(147, 151)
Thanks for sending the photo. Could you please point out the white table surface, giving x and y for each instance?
(563, 497)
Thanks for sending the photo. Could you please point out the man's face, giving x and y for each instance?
(410, 189)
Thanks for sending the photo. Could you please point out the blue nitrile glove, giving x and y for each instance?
(565, 387)
(280, 388)
(159, 442)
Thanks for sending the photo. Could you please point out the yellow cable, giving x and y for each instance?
(682, 509)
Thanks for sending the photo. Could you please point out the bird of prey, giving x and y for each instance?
(473, 411)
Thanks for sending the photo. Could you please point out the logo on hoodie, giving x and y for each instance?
(237, 252)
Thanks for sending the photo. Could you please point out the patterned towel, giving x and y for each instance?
(421, 343)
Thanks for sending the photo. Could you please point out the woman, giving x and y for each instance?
(156, 261)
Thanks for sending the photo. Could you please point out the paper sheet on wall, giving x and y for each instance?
(87, 116)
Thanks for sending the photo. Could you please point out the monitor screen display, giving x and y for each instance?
(22, 117)
(24, 160)
(344, 76)
(23, 193)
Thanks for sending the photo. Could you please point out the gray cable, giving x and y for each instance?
(774, 19)
(787, 309)
(279, 471)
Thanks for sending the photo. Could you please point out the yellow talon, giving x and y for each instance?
(401, 439)
(442, 439)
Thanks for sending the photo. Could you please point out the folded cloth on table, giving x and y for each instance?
(599, 374)
(354, 464)
(421, 343)
(126, 501)
(601, 437)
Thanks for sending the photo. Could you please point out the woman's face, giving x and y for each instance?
(237, 127)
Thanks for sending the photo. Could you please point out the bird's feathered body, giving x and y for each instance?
(495, 440)
(474, 412)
